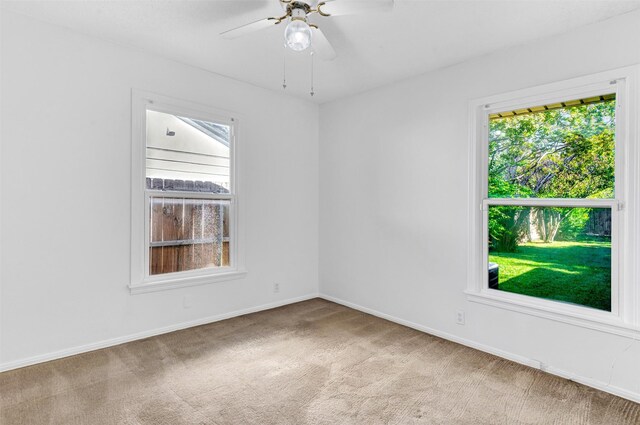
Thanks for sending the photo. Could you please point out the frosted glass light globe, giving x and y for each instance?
(298, 35)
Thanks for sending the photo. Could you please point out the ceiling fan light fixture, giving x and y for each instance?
(297, 35)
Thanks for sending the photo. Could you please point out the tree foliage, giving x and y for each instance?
(559, 153)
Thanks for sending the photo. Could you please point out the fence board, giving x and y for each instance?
(207, 255)
(156, 221)
(176, 222)
(155, 260)
(225, 254)
(599, 223)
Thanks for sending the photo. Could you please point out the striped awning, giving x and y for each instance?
(559, 105)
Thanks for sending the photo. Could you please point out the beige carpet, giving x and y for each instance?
(313, 362)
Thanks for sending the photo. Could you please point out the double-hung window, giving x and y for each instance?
(184, 194)
(553, 211)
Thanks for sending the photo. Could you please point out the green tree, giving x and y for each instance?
(560, 153)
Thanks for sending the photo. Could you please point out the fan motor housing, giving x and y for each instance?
(294, 6)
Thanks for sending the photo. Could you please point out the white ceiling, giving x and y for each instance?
(373, 49)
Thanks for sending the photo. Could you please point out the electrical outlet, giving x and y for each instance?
(187, 301)
(276, 288)
(460, 317)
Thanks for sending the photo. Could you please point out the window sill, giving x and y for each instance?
(175, 282)
(596, 320)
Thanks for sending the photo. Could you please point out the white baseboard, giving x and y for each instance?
(599, 385)
(146, 334)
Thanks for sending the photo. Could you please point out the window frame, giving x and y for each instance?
(141, 280)
(624, 317)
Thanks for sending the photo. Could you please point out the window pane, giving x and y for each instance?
(564, 150)
(187, 154)
(561, 254)
(188, 234)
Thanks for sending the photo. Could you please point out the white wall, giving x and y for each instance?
(393, 203)
(66, 134)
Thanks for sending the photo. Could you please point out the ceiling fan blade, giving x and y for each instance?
(321, 45)
(249, 28)
(353, 7)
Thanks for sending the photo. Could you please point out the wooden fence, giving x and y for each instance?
(599, 223)
(188, 234)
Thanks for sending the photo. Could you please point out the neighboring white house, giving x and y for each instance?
(187, 149)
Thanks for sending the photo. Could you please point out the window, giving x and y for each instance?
(553, 213)
(184, 195)
(541, 153)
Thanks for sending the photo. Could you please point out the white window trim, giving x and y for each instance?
(140, 279)
(624, 319)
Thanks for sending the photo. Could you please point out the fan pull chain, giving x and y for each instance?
(312, 92)
(284, 68)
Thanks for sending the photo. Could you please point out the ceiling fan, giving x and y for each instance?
(300, 34)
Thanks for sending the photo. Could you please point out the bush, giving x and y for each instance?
(507, 227)
(573, 225)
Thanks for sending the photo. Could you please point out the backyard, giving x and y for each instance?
(574, 272)
(563, 152)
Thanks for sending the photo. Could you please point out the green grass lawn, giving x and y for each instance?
(573, 272)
